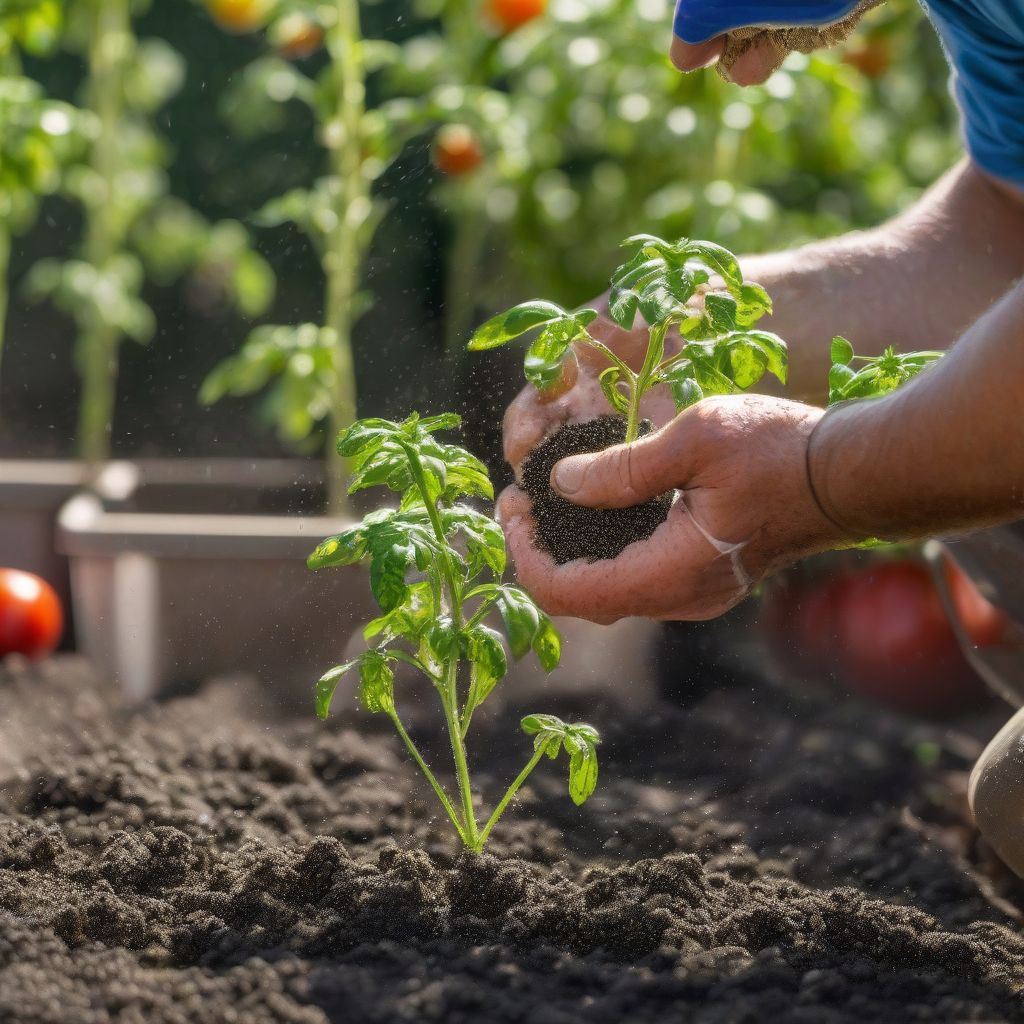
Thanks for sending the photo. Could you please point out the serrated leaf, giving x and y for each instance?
(341, 549)
(364, 434)
(326, 686)
(387, 574)
(841, 351)
(547, 644)
(488, 663)
(505, 327)
(719, 260)
(582, 772)
(720, 312)
(376, 683)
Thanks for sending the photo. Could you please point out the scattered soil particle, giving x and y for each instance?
(747, 859)
(571, 531)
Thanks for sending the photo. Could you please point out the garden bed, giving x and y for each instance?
(749, 858)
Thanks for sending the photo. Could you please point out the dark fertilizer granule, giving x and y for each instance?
(569, 531)
(743, 861)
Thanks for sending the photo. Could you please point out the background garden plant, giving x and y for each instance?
(131, 224)
(435, 570)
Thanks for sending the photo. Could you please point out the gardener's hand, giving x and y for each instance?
(745, 511)
(532, 416)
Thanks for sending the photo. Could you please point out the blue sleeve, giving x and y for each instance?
(984, 40)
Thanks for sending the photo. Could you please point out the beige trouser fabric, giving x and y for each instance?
(784, 41)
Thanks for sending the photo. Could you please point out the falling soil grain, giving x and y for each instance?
(569, 531)
(744, 860)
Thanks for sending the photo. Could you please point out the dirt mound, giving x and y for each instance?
(781, 865)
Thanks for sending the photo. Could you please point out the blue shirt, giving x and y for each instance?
(984, 40)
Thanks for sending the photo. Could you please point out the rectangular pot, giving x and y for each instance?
(185, 569)
(31, 494)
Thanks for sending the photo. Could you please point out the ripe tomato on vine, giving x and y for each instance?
(456, 150)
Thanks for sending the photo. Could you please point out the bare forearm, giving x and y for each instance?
(943, 454)
(916, 282)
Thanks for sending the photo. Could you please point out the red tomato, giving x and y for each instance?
(296, 36)
(31, 619)
(983, 622)
(872, 58)
(508, 15)
(896, 643)
(456, 151)
(239, 15)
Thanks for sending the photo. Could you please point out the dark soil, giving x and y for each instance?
(744, 860)
(570, 531)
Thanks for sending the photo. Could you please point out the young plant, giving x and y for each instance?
(435, 570)
(720, 354)
(875, 375)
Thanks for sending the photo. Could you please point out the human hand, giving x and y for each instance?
(533, 415)
(745, 510)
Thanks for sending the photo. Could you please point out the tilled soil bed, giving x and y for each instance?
(744, 859)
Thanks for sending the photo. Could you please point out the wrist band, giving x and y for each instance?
(819, 504)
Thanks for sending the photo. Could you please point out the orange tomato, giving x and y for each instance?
(296, 37)
(456, 150)
(508, 15)
(872, 58)
(239, 15)
(31, 618)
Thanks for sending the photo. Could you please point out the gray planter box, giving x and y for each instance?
(31, 494)
(185, 569)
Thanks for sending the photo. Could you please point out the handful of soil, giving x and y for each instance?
(568, 531)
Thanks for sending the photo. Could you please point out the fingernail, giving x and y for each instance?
(567, 476)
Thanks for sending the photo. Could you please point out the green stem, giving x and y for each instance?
(510, 792)
(343, 253)
(450, 702)
(438, 789)
(110, 43)
(642, 382)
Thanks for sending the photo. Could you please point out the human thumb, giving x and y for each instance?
(624, 475)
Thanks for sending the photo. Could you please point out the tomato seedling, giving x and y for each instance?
(719, 354)
(435, 570)
(854, 376)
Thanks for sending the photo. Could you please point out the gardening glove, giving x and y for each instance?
(533, 415)
(750, 54)
(745, 510)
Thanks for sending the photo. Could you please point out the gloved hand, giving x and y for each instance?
(745, 510)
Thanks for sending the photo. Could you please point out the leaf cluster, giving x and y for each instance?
(853, 376)
(695, 287)
(435, 565)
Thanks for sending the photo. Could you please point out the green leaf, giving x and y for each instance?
(326, 686)
(364, 434)
(533, 724)
(719, 260)
(488, 663)
(376, 683)
(685, 390)
(842, 351)
(504, 327)
(582, 771)
(622, 307)
(547, 644)
(720, 312)
(521, 616)
(544, 358)
(387, 574)
(753, 303)
(610, 380)
(341, 549)
(407, 620)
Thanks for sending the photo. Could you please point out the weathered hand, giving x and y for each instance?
(532, 416)
(745, 510)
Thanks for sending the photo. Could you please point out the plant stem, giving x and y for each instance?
(642, 382)
(510, 792)
(449, 699)
(344, 250)
(438, 789)
(110, 43)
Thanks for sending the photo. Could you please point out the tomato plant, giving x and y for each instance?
(39, 136)
(132, 227)
(310, 366)
(31, 618)
(721, 352)
(435, 570)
